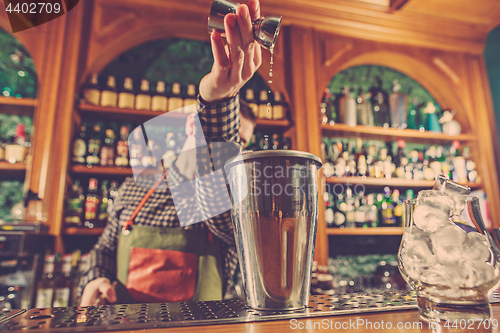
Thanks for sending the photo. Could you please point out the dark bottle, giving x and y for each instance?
(80, 146)
(175, 100)
(94, 146)
(91, 203)
(340, 212)
(109, 97)
(108, 149)
(328, 108)
(126, 97)
(73, 212)
(91, 94)
(143, 98)
(64, 283)
(398, 103)
(387, 209)
(364, 109)
(159, 102)
(360, 211)
(287, 143)
(45, 287)
(121, 159)
(380, 105)
(398, 208)
(103, 205)
(264, 142)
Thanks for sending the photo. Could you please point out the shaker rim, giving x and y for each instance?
(250, 155)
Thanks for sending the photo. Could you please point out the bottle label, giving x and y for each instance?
(174, 103)
(61, 297)
(143, 102)
(90, 209)
(91, 96)
(159, 103)
(126, 100)
(44, 297)
(278, 112)
(108, 98)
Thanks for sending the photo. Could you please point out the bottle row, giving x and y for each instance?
(268, 141)
(141, 97)
(376, 107)
(89, 208)
(355, 210)
(58, 284)
(397, 159)
(97, 144)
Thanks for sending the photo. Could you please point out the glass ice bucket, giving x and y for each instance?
(448, 257)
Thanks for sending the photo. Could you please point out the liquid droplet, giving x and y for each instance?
(270, 81)
(268, 104)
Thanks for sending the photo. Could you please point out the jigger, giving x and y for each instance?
(265, 29)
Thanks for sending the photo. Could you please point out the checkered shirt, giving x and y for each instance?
(219, 124)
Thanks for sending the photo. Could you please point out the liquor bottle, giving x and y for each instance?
(330, 209)
(323, 106)
(287, 143)
(113, 192)
(159, 102)
(371, 211)
(148, 158)
(108, 149)
(432, 118)
(91, 203)
(340, 212)
(175, 100)
(143, 98)
(265, 108)
(264, 142)
(350, 170)
(45, 287)
(80, 146)
(102, 217)
(398, 104)
(387, 209)
(75, 278)
(136, 148)
(73, 212)
(109, 97)
(15, 152)
(94, 146)
(459, 167)
(398, 208)
(380, 105)
(126, 96)
(372, 163)
(364, 109)
(347, 108)
(275, 141)
(350, 221)
(190, 98)
(90, 92)
(170, 150)
(401, 161)
(250, 99)
(470, 165)
(382, 163)
(121, 159)
(360, 211)
(63, 284)
(279, 107)
(414, 114)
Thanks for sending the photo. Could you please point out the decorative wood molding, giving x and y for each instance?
(446, 69)
(333, 50)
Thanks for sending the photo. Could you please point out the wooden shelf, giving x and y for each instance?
(393, 182)
(101, 171)
(12, 170)
(74, 231)
(127, 114)
(272, 124)
(390, 134)
(365, 231)
(18, 101)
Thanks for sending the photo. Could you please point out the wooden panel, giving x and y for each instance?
(365, 231)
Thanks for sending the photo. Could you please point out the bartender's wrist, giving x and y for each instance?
(216, 103)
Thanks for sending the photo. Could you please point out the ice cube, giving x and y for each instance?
(459, 204)
(444, 185)
(441, 275)
(476, 247)
(429, 217)
(477, 273)
(420, 253)
(447, 244)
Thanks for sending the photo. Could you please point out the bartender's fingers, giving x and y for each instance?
(92, 291)
(221, 60)
(236, 53)
(108, 292)
(247, 40)
(254, 10)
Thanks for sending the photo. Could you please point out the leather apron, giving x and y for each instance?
(156, 264)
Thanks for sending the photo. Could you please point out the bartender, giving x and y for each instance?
(144, 255)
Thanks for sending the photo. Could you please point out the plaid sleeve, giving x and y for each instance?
(102, 258)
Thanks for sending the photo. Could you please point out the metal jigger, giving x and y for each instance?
(265, 29)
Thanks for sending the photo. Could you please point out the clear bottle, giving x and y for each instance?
(62, 290)
(398, 208)
(80, 146)
(159, 102)
(45, 287)
(107, 158)
(91, 204)
(398, 104)
(109, 96)
(121, 159)
(17, 150)
(350, 221)
(364, 109)
(250, 99)
(470, 165)
(91, 93)
(73, 212)
(175, 100)
(265, 107)
(126, 97)
(143, 98)
(94, 146)
(347, 107)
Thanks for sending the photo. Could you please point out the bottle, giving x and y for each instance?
(170, 150)
(73, 212)
(136, 148)
(401, 161)
(275, 141)
(63, 284)
(121, 159)
(45, 287)
(380, 105)
(190, 98)
(108, 149)
(94, 146)
(148, 159)
(265, 108)
(126, 96)
(250, 99)
(371, 211)
(459, 166)
(387, 209)
(175, 100)
(398, 208)
(414, 113)
(340, 213)
(432, 118)
(287, 144)
(347, 108)
(159, 102)
(91, 93)
(75, 278)
(264, 142)
(80, 146)
(91, 203)
(113, 193)
(109, 97)
(279, 107)
(330, 209)
(350, 221)
(364, 109)
(103, 205)
(470, 165)
(16, 151)
(398, 104)
(143, 98)
(360, 211)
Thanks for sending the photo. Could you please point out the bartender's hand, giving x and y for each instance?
(236, 63)
(98, 292)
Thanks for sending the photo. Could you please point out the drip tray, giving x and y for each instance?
(6, 315)
(164, 315)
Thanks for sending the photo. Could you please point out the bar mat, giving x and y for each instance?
(164, 315)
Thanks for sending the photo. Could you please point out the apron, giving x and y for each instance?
(157, 264)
